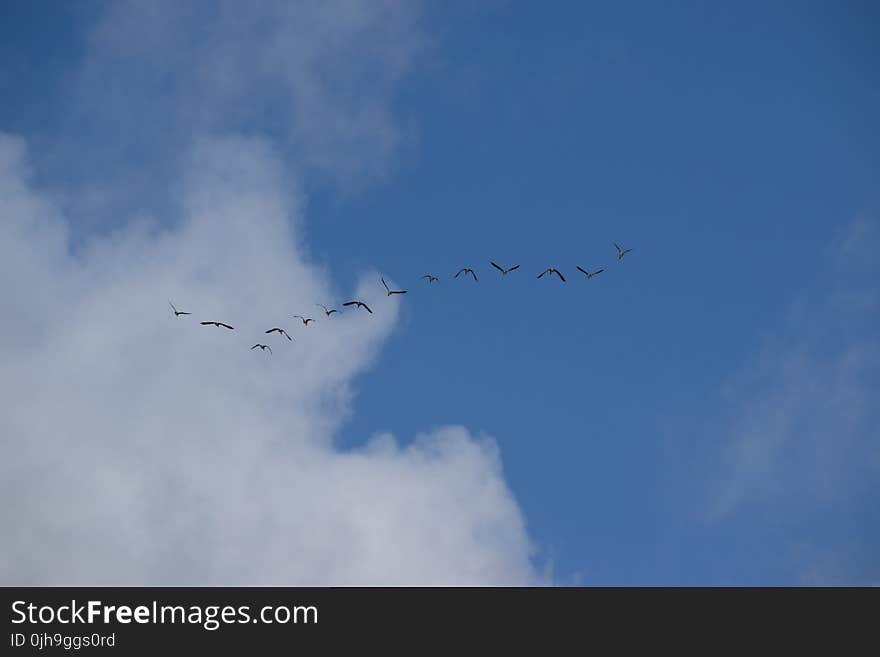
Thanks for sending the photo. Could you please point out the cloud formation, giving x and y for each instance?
(142, 448)
(806, 408)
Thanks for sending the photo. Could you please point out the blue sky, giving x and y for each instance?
(704, 412)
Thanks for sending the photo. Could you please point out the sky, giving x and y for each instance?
(704, 412)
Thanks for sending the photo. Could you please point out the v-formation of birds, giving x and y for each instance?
(430, 278)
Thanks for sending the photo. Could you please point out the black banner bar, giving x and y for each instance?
(152, 620)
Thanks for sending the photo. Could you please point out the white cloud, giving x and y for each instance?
(804, 434)
(320, 76)
(142, 449)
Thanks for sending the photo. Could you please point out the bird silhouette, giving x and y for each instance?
(262, 347)
(552, 270)
(177, 313)
(621, 252)
(466, 271)
(281, 331)
(430, 278)
(503, 271)
(327, 311)
(305, 320)
(359, 304)
(390, 291)
(589, 274)
(217, 324)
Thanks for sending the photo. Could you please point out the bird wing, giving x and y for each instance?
(543, 272)
(582, 270)
(255, 346)
(459, 271)
(386, 285)
(269, 348)
(474, 274)
(514, 267)
(330, 312)
(172, 306)
(499, 268)
(558, 273)
(598, 271)
(205, 323)
(226, 326)
(616, 246)
(367, 307)
(627, 251)
(287, 336)
(350, 303)
(272, 330)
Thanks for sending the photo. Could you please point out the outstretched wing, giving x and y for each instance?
(367, 307)
(206, 323)
(583, 271)
(512, 268)
(226, 326)
(543, 272)
(598, 271)
(474, 274)
(498, 267)
(617, 246)
(386, 285)
(255, 346)
(459, 271)
(558, 273)
(350, 303)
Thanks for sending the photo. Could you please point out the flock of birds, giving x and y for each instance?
(430, 278)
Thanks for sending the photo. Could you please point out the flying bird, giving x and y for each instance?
(359, 304)
(177, 313)
(621, 252)
(589, 274)
(305, 320)
(503, 271)
(327, 311)
(390, 291)
(217, 324)
(279, 330)
(262, 347)
(552, 270)
(466, 271)
(430, 278)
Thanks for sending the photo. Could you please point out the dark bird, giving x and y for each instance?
(305, 320)
(589, 274)
(620, 252)
(262, 347)
(217, 324)
(430, 278)
(177, 313)
(390, 291)
(359, 304)
(551, 270)
(466, 271)
(281, 331)
(503, 271)
(327, 311)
